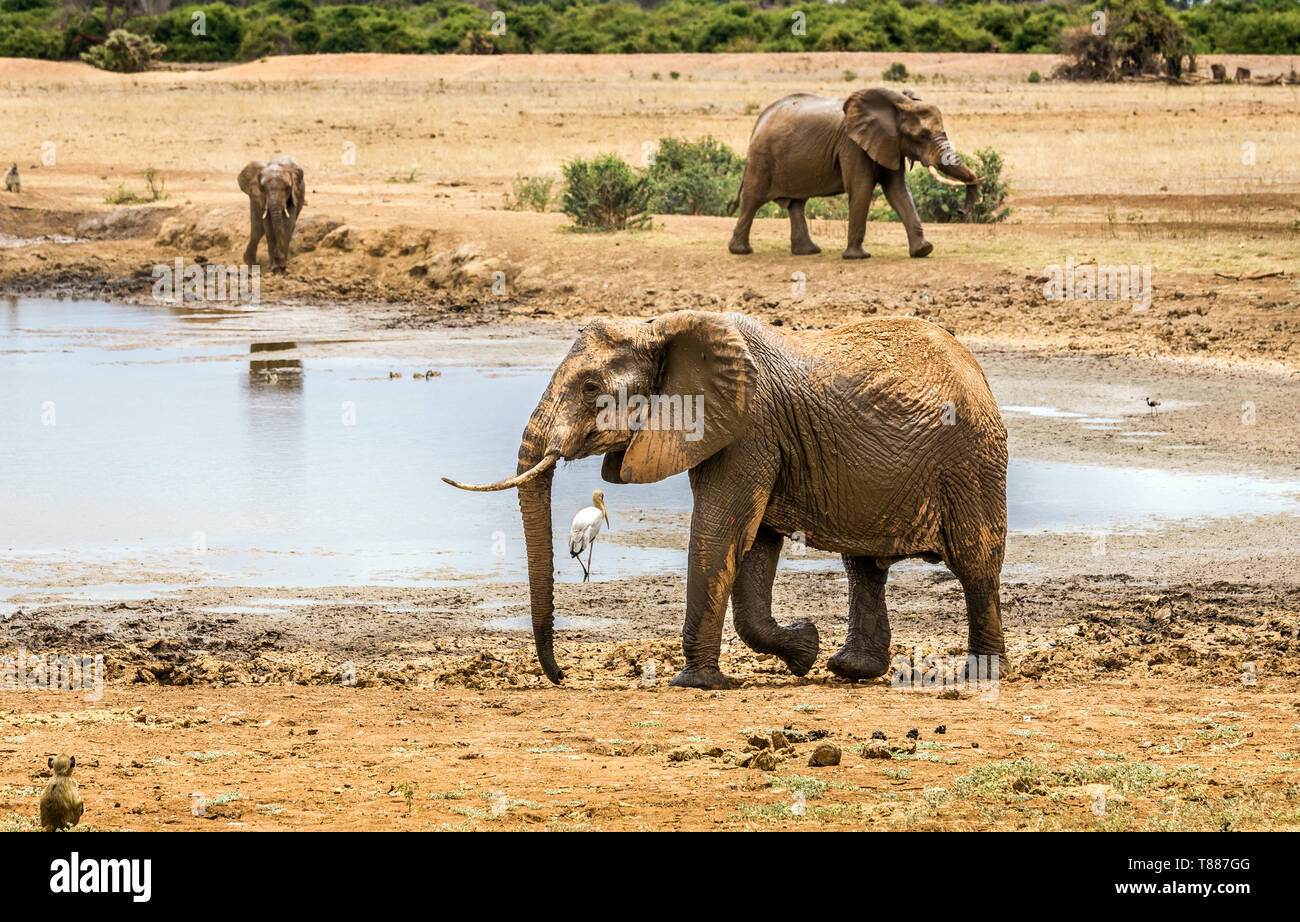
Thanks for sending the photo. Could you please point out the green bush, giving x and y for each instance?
(530, 193)
(1035, 77)
(693, 177)
(938, 202)
(605, 194)
(622, 26)
(896, 72)
(125, 53)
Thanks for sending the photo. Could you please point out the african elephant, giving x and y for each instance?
(276, 193)
(805, 146)
(879, 440)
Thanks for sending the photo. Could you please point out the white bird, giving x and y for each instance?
(585, 528)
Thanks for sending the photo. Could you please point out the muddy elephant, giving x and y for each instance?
(879, 440)
(276, 193)
(804, 146)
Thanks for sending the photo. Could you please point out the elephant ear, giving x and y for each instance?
(871, 117)
(703, 398)
(299, 185)
(248, 177)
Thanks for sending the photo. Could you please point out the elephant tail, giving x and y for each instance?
(731, 206)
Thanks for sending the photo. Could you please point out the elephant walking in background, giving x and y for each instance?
(879, 440)
(805, 146)
(276, 193)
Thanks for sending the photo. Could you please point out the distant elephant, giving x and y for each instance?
(879, 440)
(804, 146)
(276, 193)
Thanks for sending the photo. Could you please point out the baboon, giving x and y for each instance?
(61, 805)
(12, 183)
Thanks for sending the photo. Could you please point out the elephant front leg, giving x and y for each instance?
(801, 243)
(899, 197)
(722, 525)
(865, 654)
(860, 195)
(255, 230)
(751, 608)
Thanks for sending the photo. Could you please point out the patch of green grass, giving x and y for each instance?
(212, 755)
(813, 813)
(225, 798)
(270, 809)
(645, 723)
(558, 748)
(898, 774)
(810, 787)
(807, 708)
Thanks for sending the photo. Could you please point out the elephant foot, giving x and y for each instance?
(278, 270)
(855, 663)
(924, 250)
(983, 668)
(740, 248)
(250, 259)
(709, 677)
(805, 249)
(855, 253)
(801, 647)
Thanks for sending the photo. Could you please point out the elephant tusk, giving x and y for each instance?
(944, 179)
(518, 480)
(286, 211)
(265, 212)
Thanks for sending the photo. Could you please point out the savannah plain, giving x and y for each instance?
(1153, 686)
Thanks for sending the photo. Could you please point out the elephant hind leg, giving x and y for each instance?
(749, 205)
(801, 243)
(865, 654)
(974, 555)
(751, 608)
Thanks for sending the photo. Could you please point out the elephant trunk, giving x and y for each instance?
(278, 221)
(538, 451)
(535, 506)
(953, 171)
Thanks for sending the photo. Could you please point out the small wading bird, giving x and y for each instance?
(1152, 404)
(585, 528)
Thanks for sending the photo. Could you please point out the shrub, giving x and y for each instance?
(938, 202)
(125, 53)
(896, 72)
(1035, 77)
(1140, 37)
(530, 193)
(123, 196)
(693, 177)
(605, 194)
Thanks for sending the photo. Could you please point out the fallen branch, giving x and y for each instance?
(1251, 278)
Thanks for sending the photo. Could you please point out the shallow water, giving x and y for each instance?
(251, 467)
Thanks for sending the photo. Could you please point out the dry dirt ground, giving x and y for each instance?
(1155, 687)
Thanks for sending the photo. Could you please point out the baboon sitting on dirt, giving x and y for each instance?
(12, 184)
(61, 804)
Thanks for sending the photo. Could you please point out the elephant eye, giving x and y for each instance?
(590, 389)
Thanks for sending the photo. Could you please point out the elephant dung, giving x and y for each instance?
(825, 754)
(875, 749)
(906, 747)
(341, 238)
(764, 760)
